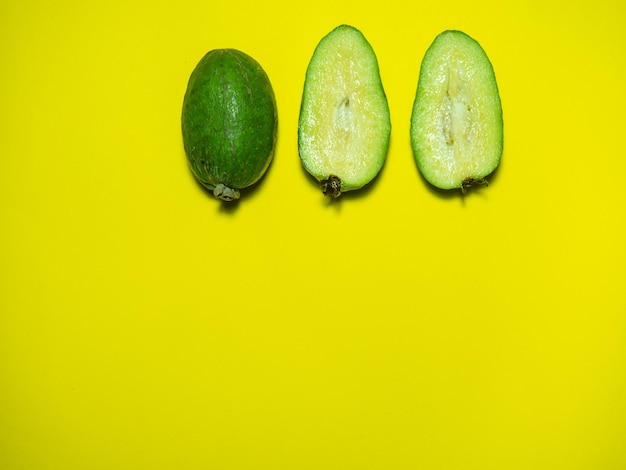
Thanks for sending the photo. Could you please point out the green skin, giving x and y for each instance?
(229, 122)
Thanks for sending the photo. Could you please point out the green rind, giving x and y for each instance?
(422, 106)
(229, 120)
(377, 160)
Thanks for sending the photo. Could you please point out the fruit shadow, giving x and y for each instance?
(229, 207)
(476, 189)
(329, 201)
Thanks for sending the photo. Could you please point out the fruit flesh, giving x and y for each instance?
(456, 125)
(229, 122)
(344, 123)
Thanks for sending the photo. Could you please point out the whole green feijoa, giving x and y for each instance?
(229, 122)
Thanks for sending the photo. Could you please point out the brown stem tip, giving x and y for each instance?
(332, 186)
(469, 182)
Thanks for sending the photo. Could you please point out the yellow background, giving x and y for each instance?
(144, 325)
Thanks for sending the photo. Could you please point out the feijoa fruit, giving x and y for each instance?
(229, 122)
(456, 123)
(344, 124)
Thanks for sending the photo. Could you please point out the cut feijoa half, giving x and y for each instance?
(229, 122)
(344, 124)
(456, 124)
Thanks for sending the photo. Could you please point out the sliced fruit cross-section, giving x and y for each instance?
(344, 125)
(456, 124)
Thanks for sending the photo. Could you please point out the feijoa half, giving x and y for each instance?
(456, 123)
(344, 123)
(229, 122)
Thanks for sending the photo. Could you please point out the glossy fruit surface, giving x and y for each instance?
(344, 124)
(456, 124)
(229, 122)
